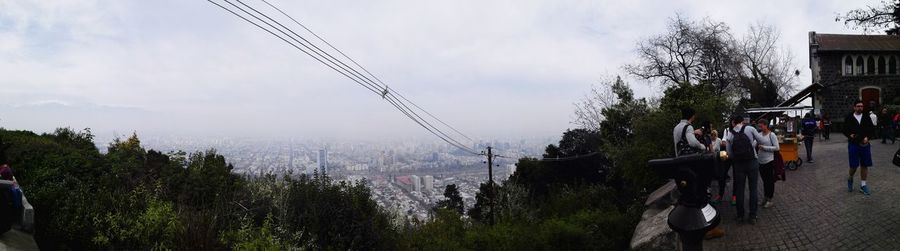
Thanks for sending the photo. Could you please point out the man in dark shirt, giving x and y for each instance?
(858, 128)
(809, 133)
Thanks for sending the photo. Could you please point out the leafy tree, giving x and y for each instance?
(251, 237)
(340, 216)
(444, 231)
(126, 159)
(81, 140)
(139, 221)
(587, 164)
(576, 142)
(620, 117)
(58, 173)
(481, 211)
(453, 201)
(885, 15)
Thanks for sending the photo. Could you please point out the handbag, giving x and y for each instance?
(779, 166)
(897, 158)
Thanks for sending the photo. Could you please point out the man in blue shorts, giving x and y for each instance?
(858, 128)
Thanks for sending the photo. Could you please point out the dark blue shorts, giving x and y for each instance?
(859, 154)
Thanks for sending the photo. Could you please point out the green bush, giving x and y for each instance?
(252, 237)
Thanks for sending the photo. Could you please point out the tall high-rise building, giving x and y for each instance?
(322, 161)
(428, 183)
(416, 183)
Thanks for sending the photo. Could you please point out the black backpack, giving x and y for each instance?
(684, 147)
(741, 146)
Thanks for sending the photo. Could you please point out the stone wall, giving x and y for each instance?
(841, 91)
(653, 232)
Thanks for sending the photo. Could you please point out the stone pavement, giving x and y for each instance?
(814, 211)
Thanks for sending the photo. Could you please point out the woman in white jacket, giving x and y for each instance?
(766, 149)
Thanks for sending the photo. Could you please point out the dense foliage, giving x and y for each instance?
(133, 199)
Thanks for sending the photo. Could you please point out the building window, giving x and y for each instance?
(848, 65)
(870, 66)
(859, 66)
(892, 65)
(881, 66)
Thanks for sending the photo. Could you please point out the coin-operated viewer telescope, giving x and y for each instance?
(692, 216)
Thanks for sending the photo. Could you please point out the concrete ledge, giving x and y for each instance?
(663, 196)
(27, 215)
(653, 233)
(27, 218)
(17, 240)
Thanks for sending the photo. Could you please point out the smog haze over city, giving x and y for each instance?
(496, 69)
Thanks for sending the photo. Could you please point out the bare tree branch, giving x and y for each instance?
(880, 17)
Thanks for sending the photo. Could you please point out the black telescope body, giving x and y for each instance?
(692, 216)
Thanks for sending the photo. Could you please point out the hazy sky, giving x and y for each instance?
(491, 68)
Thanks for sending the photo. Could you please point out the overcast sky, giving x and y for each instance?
(492, 68)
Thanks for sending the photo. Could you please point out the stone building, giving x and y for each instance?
(850, 67)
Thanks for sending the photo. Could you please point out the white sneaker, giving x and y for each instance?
(768, 204)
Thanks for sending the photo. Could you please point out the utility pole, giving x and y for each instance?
(491, 181)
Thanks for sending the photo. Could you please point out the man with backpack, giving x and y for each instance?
(684, 134)
(741, 149)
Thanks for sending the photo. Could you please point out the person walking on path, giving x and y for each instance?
(887, 127)
(826, 123)
(859, 128)
(723, 168)
(809, 133)
(874, 118)
(726, 167)
(766, 151)
(742, 151)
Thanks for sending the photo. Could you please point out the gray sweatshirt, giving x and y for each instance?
(767, 146)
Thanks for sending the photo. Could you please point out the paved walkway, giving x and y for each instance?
(814, 211)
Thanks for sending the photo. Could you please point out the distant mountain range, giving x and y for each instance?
(47, 116)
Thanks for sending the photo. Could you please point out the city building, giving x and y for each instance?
(428, 183)
(322, 161)
(416, 183)
(846, 68)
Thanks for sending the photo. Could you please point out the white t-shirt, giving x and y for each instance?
(716, 145)
(873, 117)
(858, 118)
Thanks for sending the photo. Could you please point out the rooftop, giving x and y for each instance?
(849, 42)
